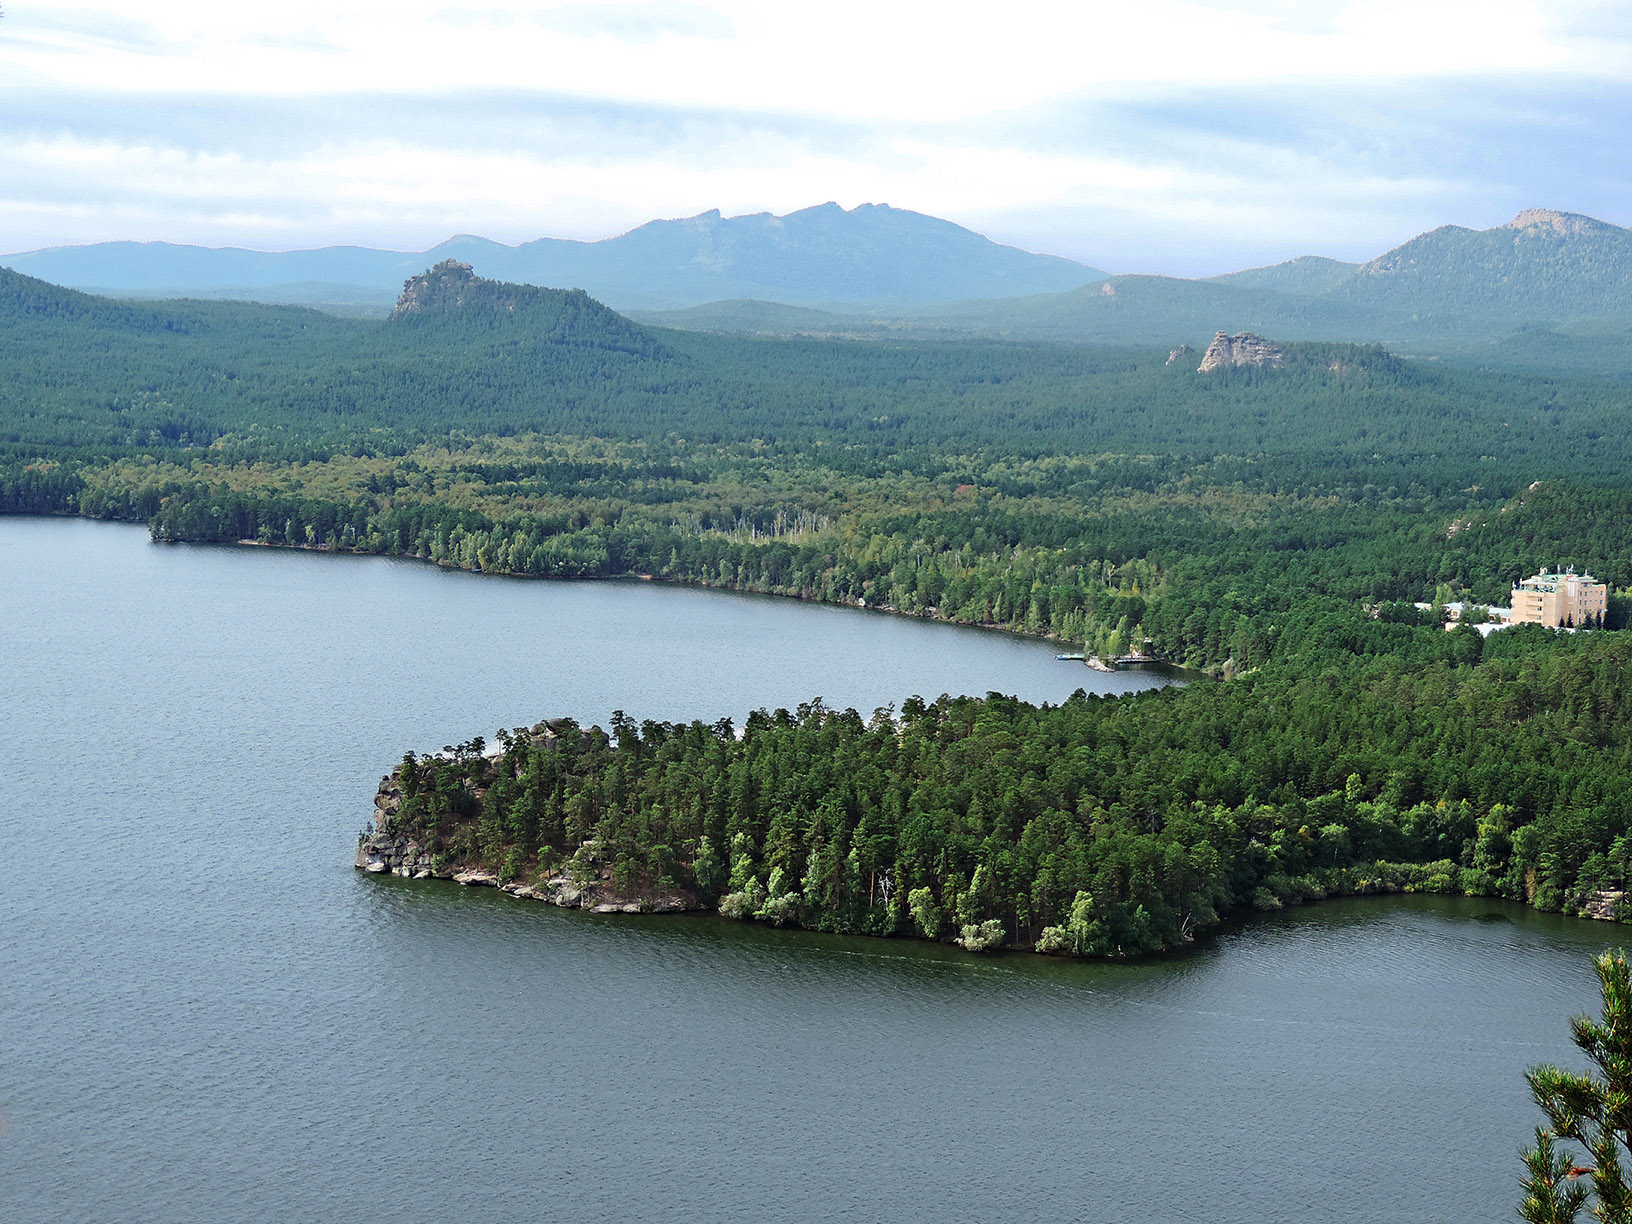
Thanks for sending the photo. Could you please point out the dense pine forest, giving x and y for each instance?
(1103, 826)
(1268, 526)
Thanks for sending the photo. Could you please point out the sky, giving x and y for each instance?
(1151, 136)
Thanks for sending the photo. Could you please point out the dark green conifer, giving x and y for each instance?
(1592, 1109)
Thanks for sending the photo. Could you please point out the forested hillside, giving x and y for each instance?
(1542, 265)
(1547, 292)
(1265, 525)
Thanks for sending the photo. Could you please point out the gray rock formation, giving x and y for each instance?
(451, 286)
(399, 855)
(586, 883)
(1559, 224)
(1241, 349)
(1603, 905)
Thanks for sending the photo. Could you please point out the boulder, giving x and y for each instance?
(1603, 904)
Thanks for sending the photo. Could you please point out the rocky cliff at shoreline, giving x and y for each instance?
(403, 843)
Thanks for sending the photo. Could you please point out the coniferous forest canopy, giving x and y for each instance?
(1268, 526)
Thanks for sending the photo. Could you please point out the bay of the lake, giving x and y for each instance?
(207, 1015)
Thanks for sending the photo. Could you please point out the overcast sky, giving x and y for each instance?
(1135, 135)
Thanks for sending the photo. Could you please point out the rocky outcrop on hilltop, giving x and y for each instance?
(1241, 349)
(449, 287)
(1560, 224)
(1545, 266)
(449, 298)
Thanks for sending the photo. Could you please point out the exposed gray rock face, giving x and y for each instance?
(390, 854)
(449, 287)
(550, 731)
(1603, 904)
(1553, 221)
(386, 802)
(1181, 352)
(398, 855)
(1241, 349)
(391, 851)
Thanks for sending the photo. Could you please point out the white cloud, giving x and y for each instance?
(1103, 210)
(1055, 125)
(852, 58)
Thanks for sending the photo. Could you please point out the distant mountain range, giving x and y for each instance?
(1547, 290)
(869, 256)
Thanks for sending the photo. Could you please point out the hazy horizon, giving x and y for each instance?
(1183, 138)
(465, 234)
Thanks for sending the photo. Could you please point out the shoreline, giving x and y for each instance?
(598, 898)
(1178, 671)
(396, 844)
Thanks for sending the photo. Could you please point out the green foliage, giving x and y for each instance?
(1551, 1195)
(984, 936)
(1052, 941)
(1270, 526)
(1592, 1109)
(1100, 826)
(926, 915)
(1082, 928)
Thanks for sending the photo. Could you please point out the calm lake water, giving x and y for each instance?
(207, 1015)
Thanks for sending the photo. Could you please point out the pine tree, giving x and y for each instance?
(1592, 1109)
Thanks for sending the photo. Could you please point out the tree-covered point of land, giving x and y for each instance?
(1374, 758)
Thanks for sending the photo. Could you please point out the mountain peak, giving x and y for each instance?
(824, 255)
(1553, 221)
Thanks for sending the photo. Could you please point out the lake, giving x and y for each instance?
(207, 1015)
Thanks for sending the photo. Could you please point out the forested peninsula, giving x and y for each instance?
(1407, 759)
(1268, 523)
